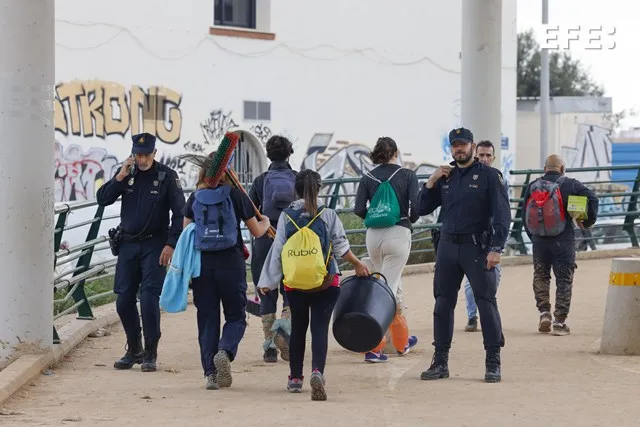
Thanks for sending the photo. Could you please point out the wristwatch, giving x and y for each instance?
(496, 249)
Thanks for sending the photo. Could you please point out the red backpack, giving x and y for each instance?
(544, 213)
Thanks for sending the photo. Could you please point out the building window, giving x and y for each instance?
(256, 110)
(235, 13)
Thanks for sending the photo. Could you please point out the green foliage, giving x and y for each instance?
(92, 288)
(567, 76)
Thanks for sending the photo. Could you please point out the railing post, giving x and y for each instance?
(57, 239)
(516, 229)
(84, 309)
(631, 215)
(335, 196)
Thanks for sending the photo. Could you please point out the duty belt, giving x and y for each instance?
(460, 238)
(132, 238)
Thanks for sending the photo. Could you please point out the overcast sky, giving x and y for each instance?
(617, 69)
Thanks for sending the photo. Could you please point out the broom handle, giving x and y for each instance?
(234, 179)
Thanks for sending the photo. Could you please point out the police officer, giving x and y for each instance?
(471, 194)
(149, 190)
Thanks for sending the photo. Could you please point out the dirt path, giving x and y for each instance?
(547, 381)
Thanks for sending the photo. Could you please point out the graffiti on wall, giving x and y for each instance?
(95, 108)
(345, 160)
(591, 147)
(216, 125)
(78, 174)
(262, 132)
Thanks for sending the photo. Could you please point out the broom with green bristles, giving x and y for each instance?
(220, 164)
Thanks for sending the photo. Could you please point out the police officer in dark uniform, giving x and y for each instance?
(471, 194)
(144, 243)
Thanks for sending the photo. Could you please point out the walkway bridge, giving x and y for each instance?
(546, 379)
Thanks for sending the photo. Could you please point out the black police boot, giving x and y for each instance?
(132, 356)
(439, 366)
(492, 364)
(150, 356)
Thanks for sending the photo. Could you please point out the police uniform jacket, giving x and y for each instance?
(148, 196)
(472, 199)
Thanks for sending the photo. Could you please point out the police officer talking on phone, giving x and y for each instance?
(471, 195)
(144, 243)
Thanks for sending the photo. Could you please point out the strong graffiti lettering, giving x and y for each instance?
(78, 175)
(216, 125)
(262, 132)
(98, 108)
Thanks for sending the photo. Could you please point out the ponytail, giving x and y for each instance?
(308, 185)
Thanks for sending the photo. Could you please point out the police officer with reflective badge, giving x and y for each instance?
(471, 194)
(144, 243)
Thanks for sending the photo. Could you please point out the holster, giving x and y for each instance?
(115, 240)
(435, 239)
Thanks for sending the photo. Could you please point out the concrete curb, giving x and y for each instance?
(28, 367)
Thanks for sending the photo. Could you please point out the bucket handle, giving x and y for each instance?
(380, 275)
(370, 275)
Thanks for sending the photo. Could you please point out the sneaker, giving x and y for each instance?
(544, 325)
(472, 325)
(223, 368)
(560, 329)
(294, 385)
(413, 340)
(375, 357)
(211, 382)
(317, 386)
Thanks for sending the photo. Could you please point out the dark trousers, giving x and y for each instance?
(321, 305)
(213, 286)
(138, 268)
(453, 262)
(559, 255)
(268, 302)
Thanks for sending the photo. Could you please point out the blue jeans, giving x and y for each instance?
(472, 308)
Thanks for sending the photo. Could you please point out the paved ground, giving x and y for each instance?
(547, 380)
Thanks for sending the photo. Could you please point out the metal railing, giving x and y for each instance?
(81, 280)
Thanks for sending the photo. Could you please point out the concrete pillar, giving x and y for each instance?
(621, 329)
(26, 165)
(482, 70)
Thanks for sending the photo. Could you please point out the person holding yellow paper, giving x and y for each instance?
(554, 206)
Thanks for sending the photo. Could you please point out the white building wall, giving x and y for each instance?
(357, 70)
(353, 70)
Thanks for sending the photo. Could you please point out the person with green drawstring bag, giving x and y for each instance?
(391, 193)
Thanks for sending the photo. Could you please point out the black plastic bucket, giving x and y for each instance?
(363, 313)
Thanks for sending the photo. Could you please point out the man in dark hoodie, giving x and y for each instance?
(271, 192)
(553, 239)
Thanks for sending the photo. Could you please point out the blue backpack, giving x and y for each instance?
(278, 192)
(215, 218)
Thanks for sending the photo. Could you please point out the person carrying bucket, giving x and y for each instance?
(392, 194)
(308, 239)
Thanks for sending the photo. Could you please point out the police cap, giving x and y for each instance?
(462, 135)
(143, 143)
